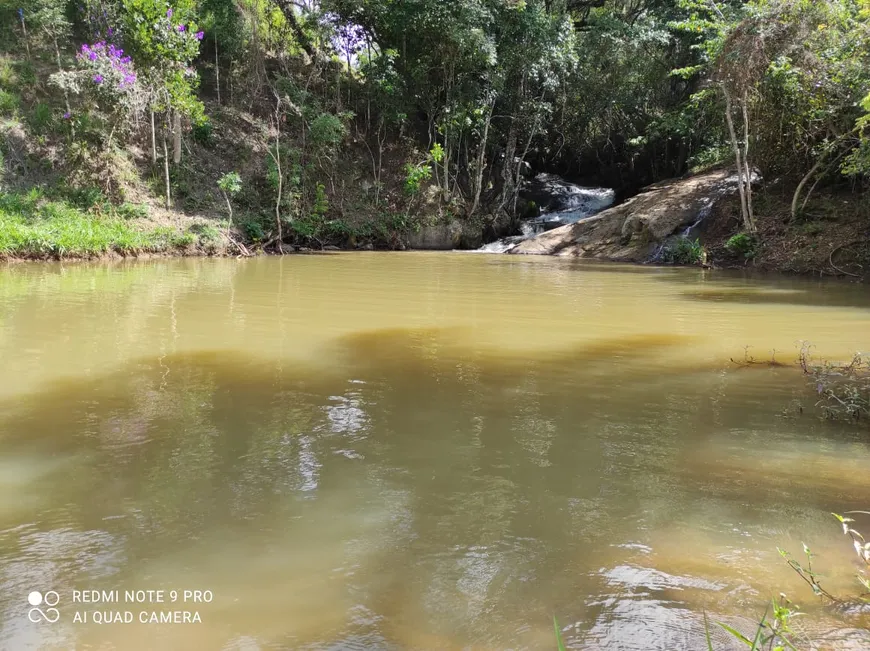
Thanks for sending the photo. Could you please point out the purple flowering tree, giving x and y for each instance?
(165, 42)
(106, 83)
(110, 70)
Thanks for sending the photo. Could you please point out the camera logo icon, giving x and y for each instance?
(36, 614)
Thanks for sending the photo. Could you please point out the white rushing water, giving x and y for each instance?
(571, 203)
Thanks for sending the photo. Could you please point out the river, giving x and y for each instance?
(417, 451)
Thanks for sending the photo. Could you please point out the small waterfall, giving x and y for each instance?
(702, 215)
(687, 233)
(565, 202)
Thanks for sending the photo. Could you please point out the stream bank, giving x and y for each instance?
(832, 237)
(701, 213)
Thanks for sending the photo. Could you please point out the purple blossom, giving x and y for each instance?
(101, 57)
(199, 36)
(181, 28)
(169, 13)
(66, 116)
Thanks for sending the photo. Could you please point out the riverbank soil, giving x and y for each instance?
(830, 238)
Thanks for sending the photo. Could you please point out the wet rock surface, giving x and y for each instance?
(636, 229)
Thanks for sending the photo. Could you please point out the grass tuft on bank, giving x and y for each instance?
(32, 226)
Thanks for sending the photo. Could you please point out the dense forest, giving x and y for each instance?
(137, 125)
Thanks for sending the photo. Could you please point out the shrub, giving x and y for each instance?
(307, 227)
(207, 233)
(9, 102)
(203, 133)
(843, 389)
(812, 229)
(41, 119)
(683, 251)
(167, 237)
(709, 157)
(132, 210)
(253, 228)
(742, 244)
(90, 198)
(327, 130)
(414, 177)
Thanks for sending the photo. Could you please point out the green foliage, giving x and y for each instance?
(230, 183)
(163, 41)
(203, 133)
(415, 175)
(307, 227)
(683, 251)
(41, 118)
(8, 78)
(208, 236)
(560, 645)
(254, 227)
(708, 157)
(9, 102)
(321, 205)
(132, 211)
(384, 228)
(167, 237)
(437, 153)
(327, 130)
(743, 244)
(87, 198)
(773, 632)
(30, 226)
(812, 229)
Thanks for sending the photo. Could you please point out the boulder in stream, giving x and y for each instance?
(446, 235)
(635, 230)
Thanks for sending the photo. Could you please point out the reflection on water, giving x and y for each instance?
(415, 452)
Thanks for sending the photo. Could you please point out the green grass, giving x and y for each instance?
(9, 102)
(32, 227)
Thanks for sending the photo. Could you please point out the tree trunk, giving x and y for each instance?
(59, 69)
(507, 170)
(800, 187)
(735, 144)
(286, 7)
(217, 71)
(277, 158)
(24, 32)
(481, 159)
(176, 137)
(748, 179)
(153, 140)
(166, 171)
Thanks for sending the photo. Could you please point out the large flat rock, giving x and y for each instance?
(634, 230)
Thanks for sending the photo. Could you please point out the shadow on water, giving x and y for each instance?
(454, 498)
(725, 285)
(843, 298)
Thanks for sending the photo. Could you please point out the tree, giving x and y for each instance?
(165, 42)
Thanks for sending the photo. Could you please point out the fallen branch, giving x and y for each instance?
(241, 247)
(835, 267)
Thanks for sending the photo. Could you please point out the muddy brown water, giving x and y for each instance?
(416, 451)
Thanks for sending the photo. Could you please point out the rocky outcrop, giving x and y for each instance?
(445, 236)
(635, 230)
